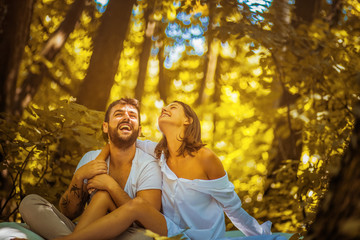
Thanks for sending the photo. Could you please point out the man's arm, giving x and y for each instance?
(149, 185)
(153, 196)
(106, 183)
(73, 201)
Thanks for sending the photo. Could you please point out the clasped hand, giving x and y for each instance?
(95, 172)
(92, 169)
(100, 182)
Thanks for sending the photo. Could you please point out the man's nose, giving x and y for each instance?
(126, 115)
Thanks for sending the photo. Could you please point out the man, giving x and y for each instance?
(128, 172)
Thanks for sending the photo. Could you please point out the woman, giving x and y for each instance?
(196, 189)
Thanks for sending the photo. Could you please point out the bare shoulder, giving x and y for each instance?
(211, 163)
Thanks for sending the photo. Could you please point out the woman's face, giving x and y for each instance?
(173, 114)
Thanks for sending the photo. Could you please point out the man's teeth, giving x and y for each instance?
(125, 127)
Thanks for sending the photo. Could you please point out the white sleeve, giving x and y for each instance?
(244, 221)
(147, 146)
(224, 193)
(150, 177)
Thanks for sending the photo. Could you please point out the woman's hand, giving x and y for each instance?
(103, 155)
(95, 167)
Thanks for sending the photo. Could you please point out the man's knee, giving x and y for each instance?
(102, 196)
(30, 202)
(43, 218)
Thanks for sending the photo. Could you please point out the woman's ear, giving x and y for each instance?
(188, 121)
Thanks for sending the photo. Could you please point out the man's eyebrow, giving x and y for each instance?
(122, 111)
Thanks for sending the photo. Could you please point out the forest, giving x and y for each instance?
(275, 83)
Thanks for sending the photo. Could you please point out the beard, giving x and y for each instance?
(122, 142)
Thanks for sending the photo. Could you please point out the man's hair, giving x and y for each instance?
(191, 142)
(123, 101)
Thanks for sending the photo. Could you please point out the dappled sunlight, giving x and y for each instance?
(275, 102)
(101, 5)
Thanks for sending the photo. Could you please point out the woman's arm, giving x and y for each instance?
(223, 192)
(243, 220)
(147, 146)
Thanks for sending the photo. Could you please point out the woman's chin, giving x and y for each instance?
(165, 124)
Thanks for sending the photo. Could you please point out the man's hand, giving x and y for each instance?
(102, 182)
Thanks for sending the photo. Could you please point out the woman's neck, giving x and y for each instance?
(174, 140)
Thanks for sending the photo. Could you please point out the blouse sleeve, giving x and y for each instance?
(222, 190)
(245, 222)
(147, 146)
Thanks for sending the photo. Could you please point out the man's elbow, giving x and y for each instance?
(70, 214)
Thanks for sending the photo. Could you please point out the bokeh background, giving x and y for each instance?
(272, 81)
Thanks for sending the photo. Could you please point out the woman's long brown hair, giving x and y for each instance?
(191, 142)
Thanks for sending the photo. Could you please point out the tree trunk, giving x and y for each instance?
(335, 13)
(14, 33)
(306, 10)
(286, 146)
(108, 44)
(163, 85)
(216, 98)
(52, 47)
(208, 68)
(145, 54)
(339, 214)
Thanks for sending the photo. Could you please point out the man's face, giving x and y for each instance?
(123, 126)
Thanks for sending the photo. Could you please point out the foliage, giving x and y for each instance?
(251, 59)
(322, 111)
(66, 71)
(42, 149)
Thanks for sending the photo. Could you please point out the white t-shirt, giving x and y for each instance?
(145, 172)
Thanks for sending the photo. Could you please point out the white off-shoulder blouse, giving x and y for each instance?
(196, 207)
